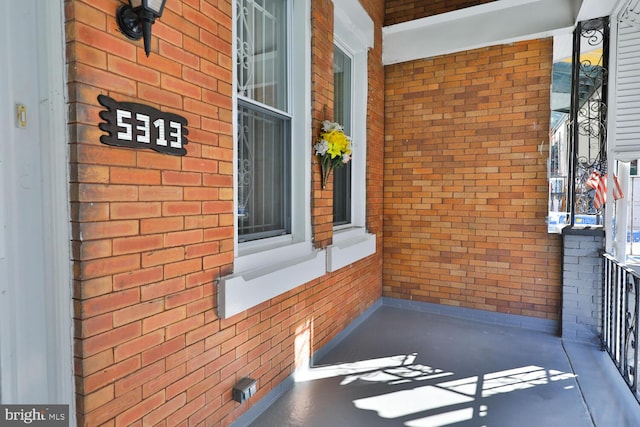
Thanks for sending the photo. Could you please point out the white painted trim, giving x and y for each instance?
(619, 243)
(234, 123)
(626, 91)
(240, 292)
(271, 252)
(358, 131)
(596, 8)
(53, 130)
(353, 23)
(610, 244)
(302, 126)
(7, 332)
(5, 123)
(350, 246)
(49, 128)
(615, 244)
(354, 34)
(498, 22)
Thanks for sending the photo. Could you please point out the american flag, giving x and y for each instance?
(599, 183)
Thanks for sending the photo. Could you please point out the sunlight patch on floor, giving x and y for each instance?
(444, 403)
(520, 379)
(374, 369)
(407, 402)
(438, 397)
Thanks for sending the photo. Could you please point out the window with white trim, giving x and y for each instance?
(264, 120)
(274, 251)
(578, 144)
(353, 37)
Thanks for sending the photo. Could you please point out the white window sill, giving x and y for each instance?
(349, 246)
(262, 276)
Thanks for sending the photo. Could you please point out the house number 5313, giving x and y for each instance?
(135, 125)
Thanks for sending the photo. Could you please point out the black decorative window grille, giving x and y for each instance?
(588, 120)
(263, 171)
(264, 122)
(578, 136)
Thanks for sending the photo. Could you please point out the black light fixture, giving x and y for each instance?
(136, 18)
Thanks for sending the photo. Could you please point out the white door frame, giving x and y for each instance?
(52, 102)
(53, 78)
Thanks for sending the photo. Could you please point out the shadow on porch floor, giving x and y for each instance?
(402, 367)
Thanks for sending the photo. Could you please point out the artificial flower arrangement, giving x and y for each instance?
(333, 148)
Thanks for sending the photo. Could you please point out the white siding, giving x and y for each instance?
(626, 144)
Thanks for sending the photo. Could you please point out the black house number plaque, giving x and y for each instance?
(133, 125)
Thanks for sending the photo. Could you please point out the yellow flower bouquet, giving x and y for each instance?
(333, 149)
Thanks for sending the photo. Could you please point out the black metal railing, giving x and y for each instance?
(620, 310)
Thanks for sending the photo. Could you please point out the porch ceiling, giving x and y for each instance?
(498, 22)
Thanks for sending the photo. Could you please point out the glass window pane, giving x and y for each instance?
(264, 139)
(263, 174)
(578, 162)
(262, 51)
(589, 115)
(342, 89)
(342, 195)
(342, 73)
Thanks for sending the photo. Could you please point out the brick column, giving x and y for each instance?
(582, 283)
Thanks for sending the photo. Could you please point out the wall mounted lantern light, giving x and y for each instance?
(136, 18)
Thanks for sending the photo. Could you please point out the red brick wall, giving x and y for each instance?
(465, 187)
(153, 232)
(398, 11)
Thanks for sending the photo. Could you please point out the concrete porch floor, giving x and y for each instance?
(405, 367)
